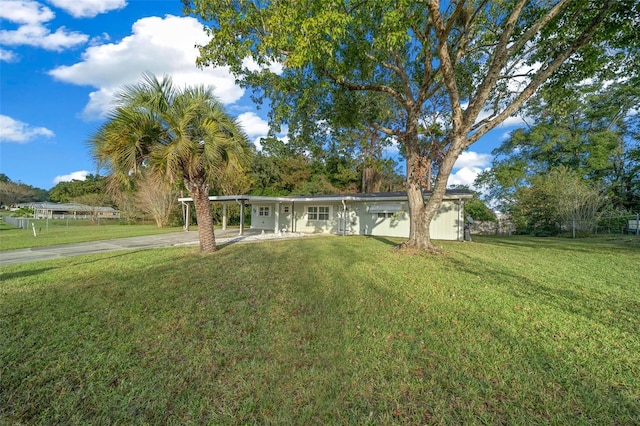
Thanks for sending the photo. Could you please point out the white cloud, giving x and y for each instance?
(16, 131)
(88, 8)
(472, 159)
(79, 175)
(25, 12)
(467, 168)
(257, 128)
(158, 45)
(31, 16)
(465, 176)
(41, 36)
(7, 55)
(253, 125)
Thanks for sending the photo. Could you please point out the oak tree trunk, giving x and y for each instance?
(422, 211)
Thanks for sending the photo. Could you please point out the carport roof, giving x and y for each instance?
(374, 196)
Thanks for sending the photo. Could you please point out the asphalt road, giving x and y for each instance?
(133, 243)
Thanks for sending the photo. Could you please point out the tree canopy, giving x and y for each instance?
(458, 67)
(590, 129)
(18, 192)
(65, 192)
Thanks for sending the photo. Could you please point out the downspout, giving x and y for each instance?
(344, 218)
(460, 219)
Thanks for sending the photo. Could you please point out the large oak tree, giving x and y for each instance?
(473, 63)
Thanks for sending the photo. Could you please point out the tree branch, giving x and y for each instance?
(500, 57)
(363, 87)
(543, 74)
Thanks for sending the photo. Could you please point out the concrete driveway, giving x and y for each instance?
(133, 243)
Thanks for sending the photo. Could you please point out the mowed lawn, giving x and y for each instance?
(60, 231)
(336, 330)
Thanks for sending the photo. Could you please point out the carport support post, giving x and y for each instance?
(241, 218)
(224, 216)
(276, 217)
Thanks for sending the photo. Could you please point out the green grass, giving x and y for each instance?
(58, 232)
(326, 331)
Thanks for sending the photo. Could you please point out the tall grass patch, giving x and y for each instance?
(326, 330)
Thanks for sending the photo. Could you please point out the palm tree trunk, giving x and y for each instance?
(204, 218)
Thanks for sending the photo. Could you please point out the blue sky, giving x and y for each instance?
(62, 60)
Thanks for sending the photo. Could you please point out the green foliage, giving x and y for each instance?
(18, 192)
(279, 170)
(23, 212)
(479, 211)
(65, 192)
(475, 207)
(413, 65)
(182, 134)
(556, 202)
(589, 129)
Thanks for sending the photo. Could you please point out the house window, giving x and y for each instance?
(263, 211)
(318, 213)
(285, 209)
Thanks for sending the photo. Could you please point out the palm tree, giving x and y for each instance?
(183, 136)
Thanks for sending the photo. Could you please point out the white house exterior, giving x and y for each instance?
(379, 214)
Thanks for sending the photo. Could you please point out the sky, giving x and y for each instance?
(61, 61)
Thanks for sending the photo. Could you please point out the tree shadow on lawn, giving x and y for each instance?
(387, 241)
(24, 273)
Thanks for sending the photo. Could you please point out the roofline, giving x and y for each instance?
(449, 195)
(219, 198)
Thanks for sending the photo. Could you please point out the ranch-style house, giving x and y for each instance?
(379, 214)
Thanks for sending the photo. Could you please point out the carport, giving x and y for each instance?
(224, 199)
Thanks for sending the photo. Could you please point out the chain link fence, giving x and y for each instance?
(604, 225)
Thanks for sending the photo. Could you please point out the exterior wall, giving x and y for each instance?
(362, 218)
(263, 222)
(303, 223)
(447, 224)
(370, 223)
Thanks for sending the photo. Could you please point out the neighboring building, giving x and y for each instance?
(72, 211)
(381, 214)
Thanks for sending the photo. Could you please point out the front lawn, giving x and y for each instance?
(60, 231)
(340, 330)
